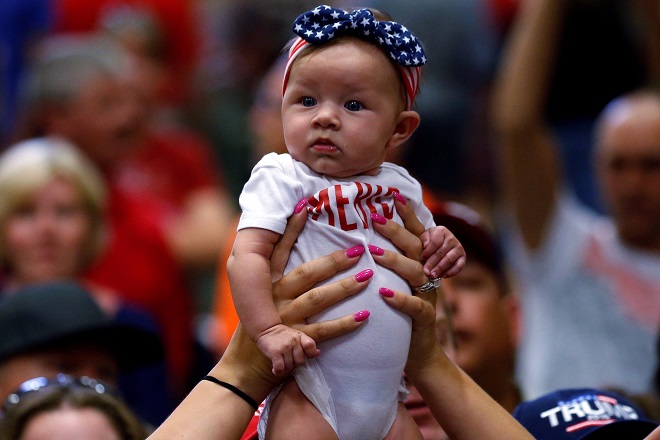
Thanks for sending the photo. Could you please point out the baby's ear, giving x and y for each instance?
(407, 123)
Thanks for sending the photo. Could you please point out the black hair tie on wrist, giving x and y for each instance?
(234, 390)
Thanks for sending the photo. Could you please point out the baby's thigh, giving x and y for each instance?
(292, 416)
(404, 426)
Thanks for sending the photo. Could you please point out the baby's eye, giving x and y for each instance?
(308, 101)
(353, 106)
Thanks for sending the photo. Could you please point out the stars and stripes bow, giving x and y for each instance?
(324, 23)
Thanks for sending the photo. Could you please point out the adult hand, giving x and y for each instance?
(451, 395)
(296, 299)
(210, 409)
(294, 308)
(421, 306)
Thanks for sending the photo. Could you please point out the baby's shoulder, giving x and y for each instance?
(394, 168)
(275, 159)
(388, 169)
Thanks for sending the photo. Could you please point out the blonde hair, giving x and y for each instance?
(27, 166)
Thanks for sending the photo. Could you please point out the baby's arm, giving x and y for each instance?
(443, 254)
(248, 268)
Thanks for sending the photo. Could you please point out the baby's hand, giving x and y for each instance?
(286, 347)
(443, 255)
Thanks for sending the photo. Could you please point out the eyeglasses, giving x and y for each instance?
(59, 381)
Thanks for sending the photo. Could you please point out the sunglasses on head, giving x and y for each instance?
(59, 381)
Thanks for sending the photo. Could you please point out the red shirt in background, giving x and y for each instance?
(170, 165)
(138, 265)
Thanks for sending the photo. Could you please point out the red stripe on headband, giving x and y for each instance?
(295, 49)
(410, 77)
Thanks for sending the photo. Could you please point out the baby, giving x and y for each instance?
(348, 90)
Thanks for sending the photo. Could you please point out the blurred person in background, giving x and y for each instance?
(76, 91)
(477, 316)
(585, 414)
(58, 327)
(172, 163)
(52, 207)
(180, 29)
(67, 407)
(589, 283)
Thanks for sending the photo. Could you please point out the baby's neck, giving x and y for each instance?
(371, 172)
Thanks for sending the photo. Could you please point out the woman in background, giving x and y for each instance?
(67, 407)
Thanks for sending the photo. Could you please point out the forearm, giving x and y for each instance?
(250, 280)
(211, 411)
(208, 412)
(522, 82)
(463, 409)
(528, 162)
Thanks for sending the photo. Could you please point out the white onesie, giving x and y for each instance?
(356, 382)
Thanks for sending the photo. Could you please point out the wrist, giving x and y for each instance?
(247, 370)
(266, 327)
(427, 369)
(269, 329)
(237, 391)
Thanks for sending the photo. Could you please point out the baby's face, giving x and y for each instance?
(341, 107)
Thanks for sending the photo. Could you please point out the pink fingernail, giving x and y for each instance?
(364, 275)
(355, 251)
(386, 292)
(375, 250)
(299, 207)
(400, 198)
(378, 218)
(361, 315)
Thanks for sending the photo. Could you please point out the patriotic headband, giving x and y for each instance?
(324, 23)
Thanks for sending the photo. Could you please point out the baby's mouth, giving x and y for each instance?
(324, 146)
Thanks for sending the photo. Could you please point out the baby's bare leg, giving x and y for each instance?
(293, 417)
(404, 426)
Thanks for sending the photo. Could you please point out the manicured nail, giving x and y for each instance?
(364, 275)
(400, 198)
(299, 207)
(378, 218)
(386, 292)
(355, 251)
(361, 315)
(375, 250)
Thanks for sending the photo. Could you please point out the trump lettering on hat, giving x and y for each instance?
(583, 414)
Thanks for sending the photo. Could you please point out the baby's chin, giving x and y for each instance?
(335, 166)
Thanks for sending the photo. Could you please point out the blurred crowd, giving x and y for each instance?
(128, 128)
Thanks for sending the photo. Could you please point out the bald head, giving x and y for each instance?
(641, 108)
(627, 159)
